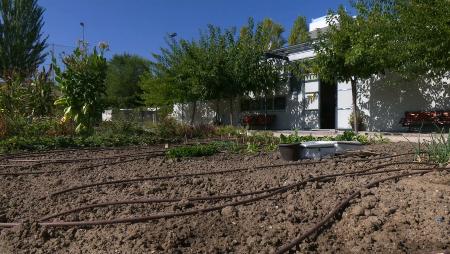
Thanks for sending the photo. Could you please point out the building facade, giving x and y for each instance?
(315, 104)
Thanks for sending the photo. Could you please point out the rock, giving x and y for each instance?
(229, 211)
(388, 210)
(251, 240)
(367, 212)
(275, 156)
(440, 219)
(439, 194)
(358, 211)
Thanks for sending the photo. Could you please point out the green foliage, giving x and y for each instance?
(13, 97)
(28, 97)
(34, 143)
(419, 34)
(295, 138)
(21, 44)
(352, 50)
(171, 129)
(121, 127)
(42, 94)
(346, 136)
(261, 141)
(122, 80)
(437, 149)
(423, 37)
(299, 32)
(229, 130)
(193, 151)
(360, 120)
(217, 66)
(82, 83)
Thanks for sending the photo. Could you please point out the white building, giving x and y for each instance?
(315, 104)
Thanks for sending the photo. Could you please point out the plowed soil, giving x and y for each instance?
(409, 215)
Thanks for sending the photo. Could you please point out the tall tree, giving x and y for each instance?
(22, 44)
(122, 80)
(419, 31)
(271, 34)
(348, 52)
(423, 37)
(299, 32)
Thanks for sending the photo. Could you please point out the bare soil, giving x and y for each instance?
(411, 215)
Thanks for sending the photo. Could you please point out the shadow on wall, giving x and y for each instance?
(298, 114)
(295, 111)
(389, 97)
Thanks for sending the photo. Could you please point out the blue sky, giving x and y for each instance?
(139, 26)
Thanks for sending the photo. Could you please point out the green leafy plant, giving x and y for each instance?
(82, 84)
(295, 138)
(193, 151)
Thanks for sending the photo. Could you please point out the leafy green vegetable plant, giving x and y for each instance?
(82, 84)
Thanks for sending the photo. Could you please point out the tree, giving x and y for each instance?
(215, 67)
(82, 84)
(299, 32)
(271, 34)
(419, 32)
(22, 44)
(423, 37)
(352, 50)
(122, 80)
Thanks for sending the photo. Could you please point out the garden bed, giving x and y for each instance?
(404, 216)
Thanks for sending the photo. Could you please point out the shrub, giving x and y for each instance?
(193, 151)
(229, 130)
(82, 83)
(295, 138)
(121, 127)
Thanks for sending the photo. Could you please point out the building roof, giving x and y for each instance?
(284, 51)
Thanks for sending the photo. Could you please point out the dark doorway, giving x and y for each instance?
(327, 104)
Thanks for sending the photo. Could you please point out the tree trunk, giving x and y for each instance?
(217, 111)
(355, 105)
(231, 111)
(194, 110)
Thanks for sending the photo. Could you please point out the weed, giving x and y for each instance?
(437, 149)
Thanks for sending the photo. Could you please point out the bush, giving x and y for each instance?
(17, 143)
(229, 130)
(37, 127)
(121, 127)
(169, 128)
(193, 151)
(295, 138)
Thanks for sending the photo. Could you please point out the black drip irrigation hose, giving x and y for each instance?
(165, 177)
(204, 210)
(57, 151)
(207, 198)
(295, 242)
(77, 169)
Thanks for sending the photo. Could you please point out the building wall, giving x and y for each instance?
(386, 99)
